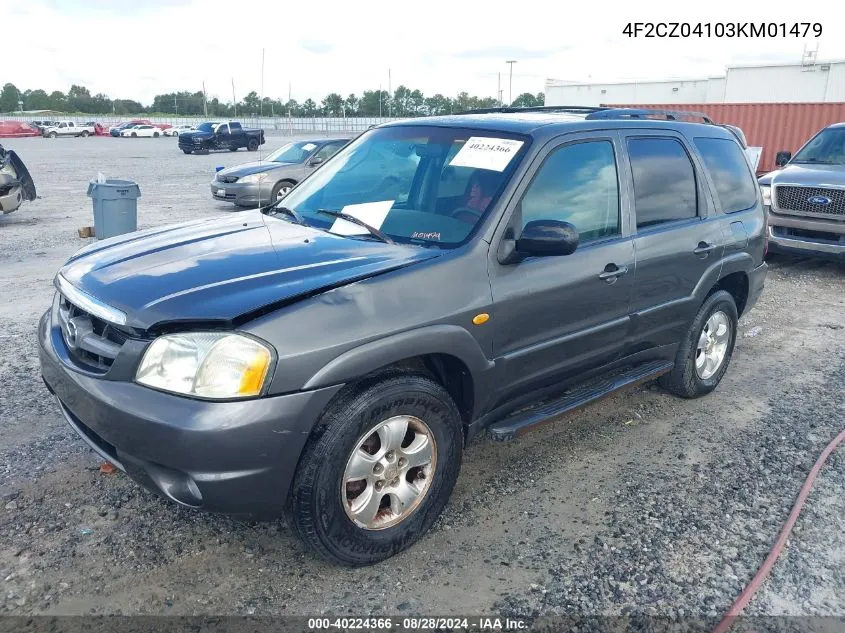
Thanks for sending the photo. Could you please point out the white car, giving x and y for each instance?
(142, 131)
(176, 130)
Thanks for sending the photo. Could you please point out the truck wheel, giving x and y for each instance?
(252, 144)
(52, 135)
(280, 190)
(378, 469)
(706, 350)
(84, 134)
(187, 151)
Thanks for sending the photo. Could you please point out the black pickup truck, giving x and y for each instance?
(220, 136)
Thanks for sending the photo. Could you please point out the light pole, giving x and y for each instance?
(510, 62)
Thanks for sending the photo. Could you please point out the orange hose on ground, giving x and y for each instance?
(763, 573)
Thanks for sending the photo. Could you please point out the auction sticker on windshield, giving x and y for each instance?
(308, 147)
(483, 152)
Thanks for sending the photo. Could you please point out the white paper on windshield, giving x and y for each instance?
(483, 152)
(373, 213)
(309, 146)
(753, 155)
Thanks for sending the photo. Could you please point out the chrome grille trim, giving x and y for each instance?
(793, 199)
(88, 303)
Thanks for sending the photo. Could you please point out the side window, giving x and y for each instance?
(731, 174)
(664, 181)
(235, 127)
(327, 151)
(223, 128)
(577, 184)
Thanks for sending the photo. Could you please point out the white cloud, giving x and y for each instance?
(115, 47)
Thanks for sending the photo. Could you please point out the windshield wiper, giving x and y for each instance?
(817, 161)
(351, 218)
(273, 210)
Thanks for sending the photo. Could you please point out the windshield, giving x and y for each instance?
(419, 184)
(827, 147)
(206, 127)
(292, 152)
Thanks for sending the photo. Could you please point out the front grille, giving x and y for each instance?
(91, 342)
(227, 179)
(793, 199)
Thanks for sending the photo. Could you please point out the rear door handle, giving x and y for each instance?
(612, 272)
(704, 248)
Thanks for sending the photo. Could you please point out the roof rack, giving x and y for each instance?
(637, 113)
(559, 108)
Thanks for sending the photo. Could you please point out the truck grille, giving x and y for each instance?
(91, 342)
(797, 200)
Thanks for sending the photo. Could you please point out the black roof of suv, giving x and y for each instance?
(330, 355)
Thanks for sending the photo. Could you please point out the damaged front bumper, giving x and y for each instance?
(16, 185)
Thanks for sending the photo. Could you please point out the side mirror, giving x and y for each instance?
(547, 237)
(782, 158)
(315, 161)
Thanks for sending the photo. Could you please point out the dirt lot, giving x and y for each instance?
(643, 503)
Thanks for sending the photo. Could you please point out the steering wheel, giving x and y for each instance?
(475, 216)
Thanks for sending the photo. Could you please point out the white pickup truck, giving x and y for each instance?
(68, 128)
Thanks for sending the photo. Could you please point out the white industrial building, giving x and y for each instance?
(816, 82)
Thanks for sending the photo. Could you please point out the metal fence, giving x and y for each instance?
(280, 125)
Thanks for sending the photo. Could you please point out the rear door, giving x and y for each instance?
(556, 316)
(678, 236)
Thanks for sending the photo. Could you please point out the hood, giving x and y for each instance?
(810, 175)
(196, 133)
(218, 270)
(257, 167)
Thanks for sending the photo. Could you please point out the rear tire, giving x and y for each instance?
(134, 135)
(155, 134)
(52, 135)
(696, 371)
(252, 145)
(84, 134)
(322, 505)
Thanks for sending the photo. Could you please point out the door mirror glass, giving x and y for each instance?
(782, 158)
(548, 237)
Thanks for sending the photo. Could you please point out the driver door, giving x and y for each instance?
(556, 316)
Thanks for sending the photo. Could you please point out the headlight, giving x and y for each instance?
(766, 192)
(253, 179)
(206, 364)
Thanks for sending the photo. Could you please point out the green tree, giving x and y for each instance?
(251, 103)
(37, 100)
(58, 101)
(309, 108)
(333, 105)
(525, 100)
(351, 105)
(9, 97)
(437, 105)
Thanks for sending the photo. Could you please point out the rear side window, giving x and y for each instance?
(235, 126)
(730, 172)
(664, 181)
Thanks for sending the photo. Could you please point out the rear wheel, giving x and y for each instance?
(378, 469)
(52, 135)
(155, 134)
(134, 135)
(704, 354)
(252, 144)
(84, 134)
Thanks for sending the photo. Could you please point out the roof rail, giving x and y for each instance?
(637, 113)
(558, 108)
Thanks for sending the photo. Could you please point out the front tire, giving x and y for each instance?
(280, 190)
(84, 134)
(378, 469)
(52, 135)
(252, 145)
(155, 134)
(134, 135)
(706, 350)
(187, 151)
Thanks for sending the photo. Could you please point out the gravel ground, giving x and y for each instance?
(643, 504)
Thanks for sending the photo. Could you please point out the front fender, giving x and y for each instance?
(450, 340)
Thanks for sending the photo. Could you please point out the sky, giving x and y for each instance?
(135, 49)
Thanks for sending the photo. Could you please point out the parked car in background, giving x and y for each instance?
(117, 129)
(330, 356)
(40, 125)
(270, 180)
(68, 128)
(148, 131)
(216, 135)
(16, 185)
(176, 130)
(805, 197)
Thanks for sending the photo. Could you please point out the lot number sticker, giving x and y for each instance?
(308, 147)
(483, 152)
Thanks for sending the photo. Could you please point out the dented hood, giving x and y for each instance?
(218, 270)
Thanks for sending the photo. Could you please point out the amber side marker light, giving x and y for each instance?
(479, 319)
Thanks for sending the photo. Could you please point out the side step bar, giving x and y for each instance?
(580, 395)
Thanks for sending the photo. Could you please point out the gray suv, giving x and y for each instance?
(329, 357)
(805, 197)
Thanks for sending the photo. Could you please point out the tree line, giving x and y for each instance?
(403, 102)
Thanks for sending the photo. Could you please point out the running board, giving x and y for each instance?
(577, 397)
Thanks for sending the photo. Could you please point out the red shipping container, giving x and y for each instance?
(773, 126)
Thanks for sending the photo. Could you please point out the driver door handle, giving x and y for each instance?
(704, 248)
(612, 272)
